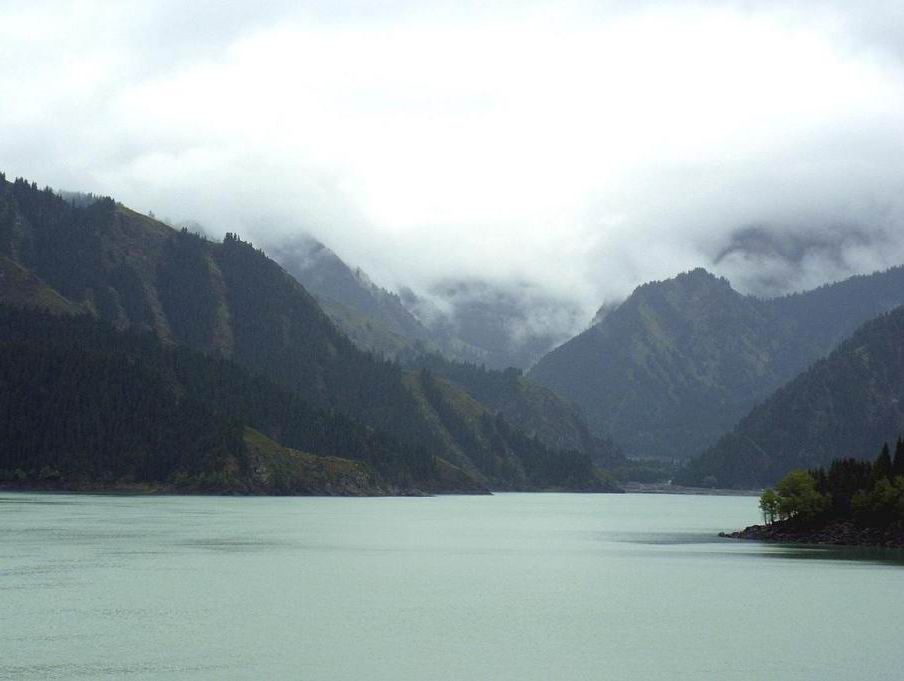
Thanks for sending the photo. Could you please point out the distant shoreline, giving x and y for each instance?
(151, 489)
(165, 489)
(667, 488)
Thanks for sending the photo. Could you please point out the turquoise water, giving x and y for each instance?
(513, 586)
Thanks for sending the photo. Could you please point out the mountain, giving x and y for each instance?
(370, 315)
(497, 325)
(840, 407)
(378, 321)
(87, 407)
(679, 362)
(470, 321)
(529, 406)
(230, 300)
(483, 443)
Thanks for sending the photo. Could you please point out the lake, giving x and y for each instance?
(511, 586)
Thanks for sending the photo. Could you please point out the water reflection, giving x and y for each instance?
(749, 548)
(860, 554)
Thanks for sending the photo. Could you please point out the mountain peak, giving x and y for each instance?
(698, 274)
(698, 289)
(698, 279)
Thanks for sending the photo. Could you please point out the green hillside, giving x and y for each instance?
(676, 365)
(83, 404)
(839, 408)
(227, 300)
(529, 406)
(484, 444)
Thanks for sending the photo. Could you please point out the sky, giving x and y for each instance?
(578, 148)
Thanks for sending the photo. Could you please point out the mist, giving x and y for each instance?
(576, 149)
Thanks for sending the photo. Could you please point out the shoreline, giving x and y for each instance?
(843, 533)
(668, 488)
(164, 489)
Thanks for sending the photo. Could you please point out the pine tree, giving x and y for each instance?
(898, 465)
(883, 467)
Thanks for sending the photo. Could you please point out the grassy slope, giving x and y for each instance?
(369, 334)
(274, 470)
(21, 288)
(281, 470)
(464, 423)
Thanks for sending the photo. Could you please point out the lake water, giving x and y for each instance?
(514, 586)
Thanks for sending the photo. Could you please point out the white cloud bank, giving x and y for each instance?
(583, 147)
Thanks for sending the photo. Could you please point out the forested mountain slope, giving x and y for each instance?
(85, 406)
(225, 299)
(678, 363)
(373, 317)
(840, 407)
(526, 404)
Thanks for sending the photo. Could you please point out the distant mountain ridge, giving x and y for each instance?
(466, 320)
(350, 297)
(512, 325)
(838, 408)
(678, 363)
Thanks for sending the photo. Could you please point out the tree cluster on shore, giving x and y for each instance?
(870, 493)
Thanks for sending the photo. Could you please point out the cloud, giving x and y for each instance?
(580, 147)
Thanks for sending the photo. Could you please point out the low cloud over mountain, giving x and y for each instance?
(608, 144)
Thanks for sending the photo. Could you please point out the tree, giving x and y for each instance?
(798, 497)
(898, 464)
(882, 467)
(769, 505)
(882, 505)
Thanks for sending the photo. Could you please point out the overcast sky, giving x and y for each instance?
(585, 147)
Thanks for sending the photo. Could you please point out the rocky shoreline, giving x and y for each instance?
(835, 534)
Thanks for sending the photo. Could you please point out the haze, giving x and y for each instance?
(580, 148)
